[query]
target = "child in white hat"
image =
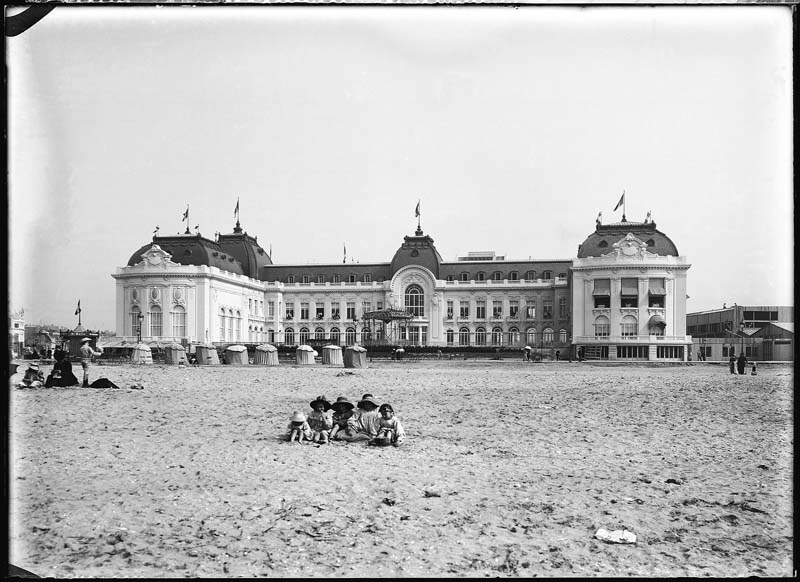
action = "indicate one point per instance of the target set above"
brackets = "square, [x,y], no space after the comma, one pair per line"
[298,428]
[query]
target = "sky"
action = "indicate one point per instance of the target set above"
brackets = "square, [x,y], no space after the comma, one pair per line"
[513,128]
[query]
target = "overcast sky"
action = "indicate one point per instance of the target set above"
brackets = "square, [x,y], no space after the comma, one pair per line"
[514,127]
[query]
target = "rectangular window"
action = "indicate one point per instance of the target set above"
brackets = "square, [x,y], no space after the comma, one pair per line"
[497,276]
[547,309]
[271,307]
[530,311]
[179,323]
[320,279]
[290,311]
[290,279]
[303,310]
[563,312]
[463,309]
[336,279]
[602,293]
[380,306]
[669,352]
[449,310]
[628,329]
[513,276]
[656,292]
[450,278]
[351,310]
[366,306]
[632,352]
[480,309]
[481,277]
[155,323]
[367,278]
[629,295]
[602,330]
[351,278]
[465,277]
[320,312]
[497,309]
[306,279]
[513,308]
[335,310]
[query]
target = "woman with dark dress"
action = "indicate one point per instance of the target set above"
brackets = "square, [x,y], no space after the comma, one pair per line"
[741,363]
[61,375]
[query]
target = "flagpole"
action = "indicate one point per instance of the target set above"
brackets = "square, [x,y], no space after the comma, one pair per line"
[623,205]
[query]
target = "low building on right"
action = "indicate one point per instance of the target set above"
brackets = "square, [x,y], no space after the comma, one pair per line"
[762,332]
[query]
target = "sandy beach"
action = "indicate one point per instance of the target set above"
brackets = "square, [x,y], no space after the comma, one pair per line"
[509,469]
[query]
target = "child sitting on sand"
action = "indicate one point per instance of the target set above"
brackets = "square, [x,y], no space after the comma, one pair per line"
[298,428]
[342,411]
[391,431]
[319,421]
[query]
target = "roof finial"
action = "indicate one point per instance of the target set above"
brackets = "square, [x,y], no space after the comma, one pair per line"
[417,214]
[238,227]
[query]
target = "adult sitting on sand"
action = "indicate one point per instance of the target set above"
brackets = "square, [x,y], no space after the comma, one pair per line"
[61,375]
[365,422]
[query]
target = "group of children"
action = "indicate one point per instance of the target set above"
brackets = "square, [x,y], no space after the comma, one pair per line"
[343,421]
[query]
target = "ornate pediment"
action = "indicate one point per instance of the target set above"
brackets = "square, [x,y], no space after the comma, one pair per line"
[631,248]
[155,256]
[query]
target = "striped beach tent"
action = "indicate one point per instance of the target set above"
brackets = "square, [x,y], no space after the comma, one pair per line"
[332,355]
[266,355]
[236,356]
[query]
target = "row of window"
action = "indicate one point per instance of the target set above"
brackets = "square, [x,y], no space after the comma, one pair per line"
[499,276]
[335,312]
[464,276]
[628,327]
[642,352]
[155,321]
[513,309]
[499,338]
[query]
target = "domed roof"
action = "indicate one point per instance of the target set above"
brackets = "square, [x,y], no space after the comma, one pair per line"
[192,249]
[601,241]
[417,250]
[245,249]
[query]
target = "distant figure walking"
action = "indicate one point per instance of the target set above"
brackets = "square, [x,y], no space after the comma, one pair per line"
[732,362]
[86,358]
[741,363]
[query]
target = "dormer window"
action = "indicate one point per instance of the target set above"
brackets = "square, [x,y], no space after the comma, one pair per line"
[513,276]
[481,276]
[351,278]
[464,277]
[306,279]
[290,279]
[603,244]
[497,276]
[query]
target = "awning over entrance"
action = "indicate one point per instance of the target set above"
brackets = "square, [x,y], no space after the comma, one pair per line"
[657,320]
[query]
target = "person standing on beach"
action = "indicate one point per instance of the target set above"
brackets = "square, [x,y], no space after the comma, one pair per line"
[732,362]
[86,358]
[741,363]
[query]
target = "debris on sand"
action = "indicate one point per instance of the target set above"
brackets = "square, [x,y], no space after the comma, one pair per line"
[345,373]
[431,494]
[618,536]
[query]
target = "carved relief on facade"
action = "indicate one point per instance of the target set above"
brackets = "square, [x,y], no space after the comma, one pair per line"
[179,295]
[155,296]
[134,296]
[155,256]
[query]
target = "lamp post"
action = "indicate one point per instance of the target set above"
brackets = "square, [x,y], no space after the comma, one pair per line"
[140,317]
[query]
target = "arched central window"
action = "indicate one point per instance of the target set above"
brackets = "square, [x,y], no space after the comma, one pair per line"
[415,300]
[463,336]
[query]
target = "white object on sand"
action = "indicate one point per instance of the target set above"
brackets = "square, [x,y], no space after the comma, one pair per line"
[618,536]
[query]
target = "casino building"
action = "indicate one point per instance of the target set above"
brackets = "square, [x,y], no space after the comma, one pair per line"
[190,289]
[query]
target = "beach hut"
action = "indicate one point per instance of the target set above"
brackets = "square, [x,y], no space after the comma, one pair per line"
[266,355]
[305,355]
[206,355]
[332,355]
[355,357]
[236,356]
[141,354]
[175,354]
